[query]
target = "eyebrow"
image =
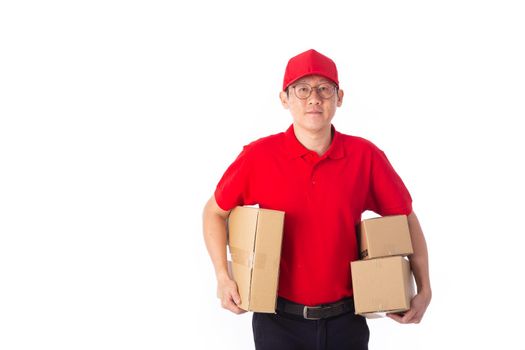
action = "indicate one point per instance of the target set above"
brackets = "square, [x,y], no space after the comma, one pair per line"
[323,80]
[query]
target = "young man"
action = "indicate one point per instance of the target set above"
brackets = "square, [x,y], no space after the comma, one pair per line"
[323,180]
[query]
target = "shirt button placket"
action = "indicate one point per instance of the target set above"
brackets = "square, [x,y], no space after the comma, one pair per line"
[313,177]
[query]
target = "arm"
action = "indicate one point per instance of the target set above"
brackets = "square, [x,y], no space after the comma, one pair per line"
[214,227]
[419,264]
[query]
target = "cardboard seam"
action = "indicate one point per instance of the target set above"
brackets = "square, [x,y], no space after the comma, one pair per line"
[253,259]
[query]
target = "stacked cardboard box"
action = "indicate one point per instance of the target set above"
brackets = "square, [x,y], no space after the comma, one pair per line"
[255,238]
[382,280]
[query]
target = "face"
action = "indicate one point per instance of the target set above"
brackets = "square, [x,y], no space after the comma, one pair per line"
[313,114]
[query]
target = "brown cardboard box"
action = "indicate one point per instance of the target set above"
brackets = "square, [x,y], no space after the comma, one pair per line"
[255,237]
[384,236]
[382,285]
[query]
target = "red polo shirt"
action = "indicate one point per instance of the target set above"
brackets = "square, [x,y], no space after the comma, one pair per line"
[323,198]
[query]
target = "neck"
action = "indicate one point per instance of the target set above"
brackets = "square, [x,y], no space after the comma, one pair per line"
[317,141]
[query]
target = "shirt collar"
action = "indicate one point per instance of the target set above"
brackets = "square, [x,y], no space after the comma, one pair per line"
[296,149]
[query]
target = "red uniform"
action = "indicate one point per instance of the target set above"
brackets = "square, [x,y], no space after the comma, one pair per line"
[323,198]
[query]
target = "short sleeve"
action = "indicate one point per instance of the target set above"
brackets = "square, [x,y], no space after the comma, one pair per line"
[387,193]
[233,186]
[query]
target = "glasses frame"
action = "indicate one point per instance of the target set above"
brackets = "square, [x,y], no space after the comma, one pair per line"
[334,90]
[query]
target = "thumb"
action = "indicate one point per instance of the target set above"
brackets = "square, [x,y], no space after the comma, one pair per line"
[236,297]
[408,315]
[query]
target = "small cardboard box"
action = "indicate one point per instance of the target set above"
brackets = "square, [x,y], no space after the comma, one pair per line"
[382,285]
[384,236]
[255,237]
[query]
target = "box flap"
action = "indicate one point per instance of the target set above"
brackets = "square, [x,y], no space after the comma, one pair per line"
[265,276]
[242,225]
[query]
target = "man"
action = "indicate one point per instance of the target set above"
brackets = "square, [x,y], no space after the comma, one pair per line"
[323,180]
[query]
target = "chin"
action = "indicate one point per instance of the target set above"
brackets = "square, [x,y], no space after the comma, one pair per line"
[315,127]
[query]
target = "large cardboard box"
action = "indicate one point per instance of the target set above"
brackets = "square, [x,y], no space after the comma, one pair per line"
[255,237]
[382,285]
[384,236]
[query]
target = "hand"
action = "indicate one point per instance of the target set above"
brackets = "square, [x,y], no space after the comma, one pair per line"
[230,299]
[418,306]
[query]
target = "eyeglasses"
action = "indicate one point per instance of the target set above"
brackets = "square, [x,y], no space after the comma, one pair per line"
[303,91]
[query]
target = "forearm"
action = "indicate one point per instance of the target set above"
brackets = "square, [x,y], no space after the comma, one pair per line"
[214,228]
[419,260]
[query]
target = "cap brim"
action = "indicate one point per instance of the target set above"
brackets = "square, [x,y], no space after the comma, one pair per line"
[311,73]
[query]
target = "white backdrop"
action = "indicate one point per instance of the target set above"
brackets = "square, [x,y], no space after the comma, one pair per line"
[117,119]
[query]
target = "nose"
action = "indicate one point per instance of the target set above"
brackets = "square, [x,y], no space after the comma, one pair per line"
[314,97]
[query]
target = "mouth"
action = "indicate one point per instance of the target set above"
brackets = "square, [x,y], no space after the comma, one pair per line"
[315,111]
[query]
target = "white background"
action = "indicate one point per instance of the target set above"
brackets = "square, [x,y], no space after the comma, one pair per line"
[119,117]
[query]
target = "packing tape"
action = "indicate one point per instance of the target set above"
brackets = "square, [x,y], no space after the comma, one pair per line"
[242,256]
[247,258]
[260,261]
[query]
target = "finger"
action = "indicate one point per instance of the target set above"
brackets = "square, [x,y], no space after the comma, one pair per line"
[396,317]
[229,304]
[235,296]
[416,318]
[408,316]
[239,311]
[235,309]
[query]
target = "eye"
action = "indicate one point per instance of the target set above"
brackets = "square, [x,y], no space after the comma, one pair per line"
[302,88]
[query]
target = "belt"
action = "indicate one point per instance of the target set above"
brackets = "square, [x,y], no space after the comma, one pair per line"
[316,312]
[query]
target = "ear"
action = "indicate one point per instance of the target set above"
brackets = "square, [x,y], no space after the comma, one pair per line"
[340,95]
[284,99]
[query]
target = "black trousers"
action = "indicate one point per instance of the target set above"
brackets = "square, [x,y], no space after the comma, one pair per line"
[290,332]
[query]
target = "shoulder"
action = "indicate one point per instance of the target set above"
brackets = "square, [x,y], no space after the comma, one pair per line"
[358,144]
[265,144]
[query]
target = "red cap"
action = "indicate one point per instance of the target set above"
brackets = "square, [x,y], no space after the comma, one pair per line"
[308,63]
